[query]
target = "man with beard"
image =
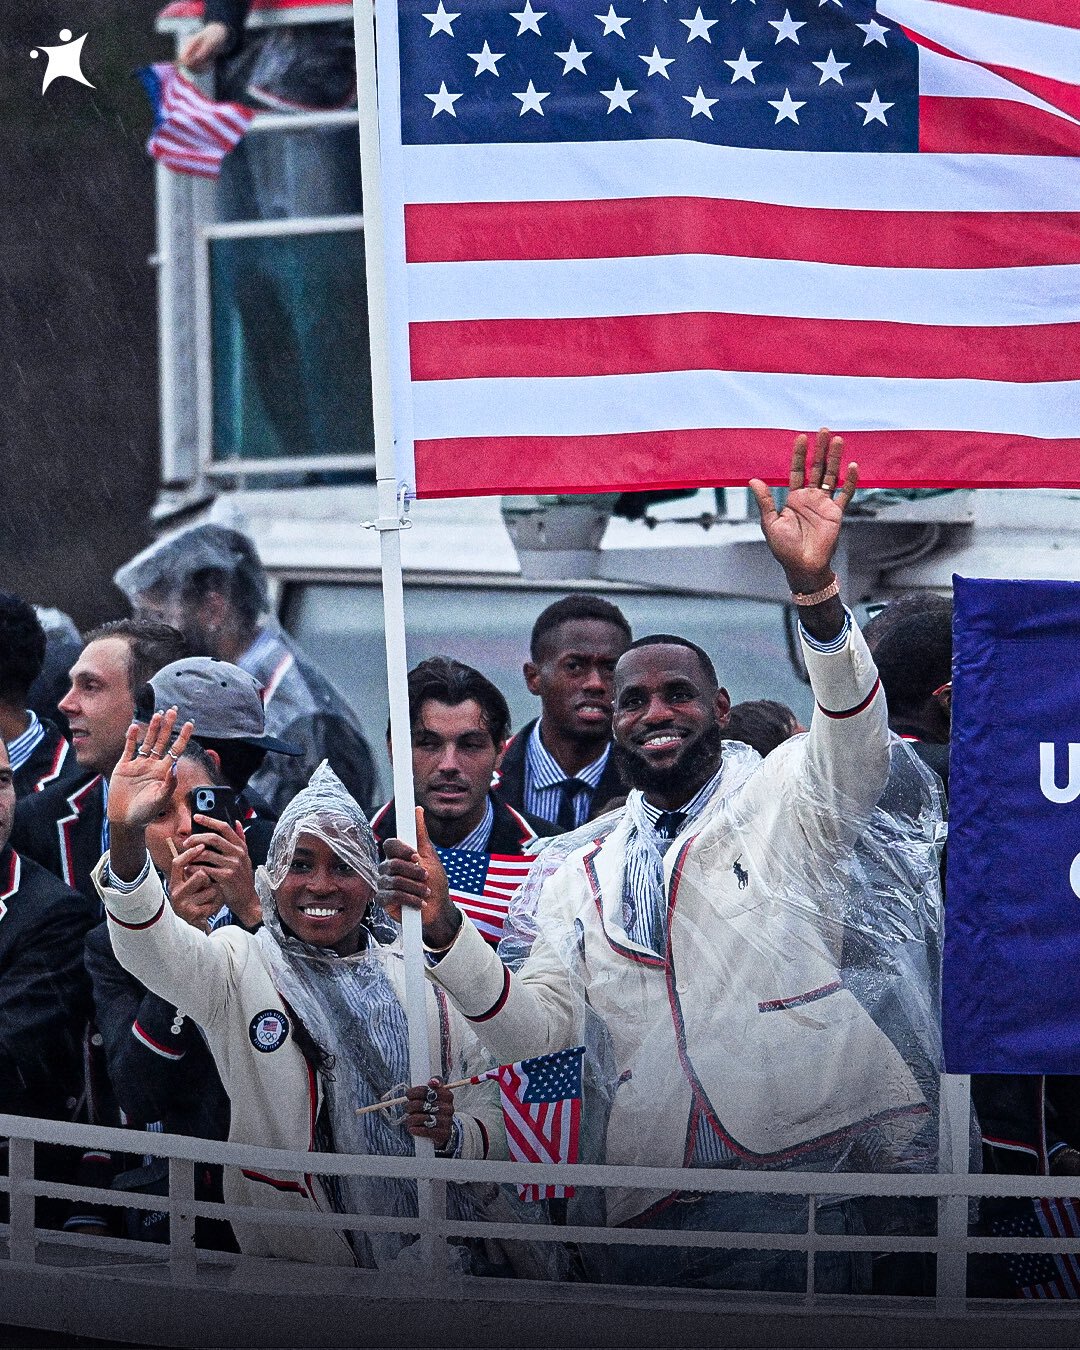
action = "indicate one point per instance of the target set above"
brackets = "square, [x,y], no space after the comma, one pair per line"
[695,945]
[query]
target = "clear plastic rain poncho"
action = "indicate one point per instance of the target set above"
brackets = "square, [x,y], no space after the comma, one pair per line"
[353,1008]
[789,1015]
[169,578]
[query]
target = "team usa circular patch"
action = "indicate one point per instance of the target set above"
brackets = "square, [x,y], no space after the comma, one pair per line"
[268,1030]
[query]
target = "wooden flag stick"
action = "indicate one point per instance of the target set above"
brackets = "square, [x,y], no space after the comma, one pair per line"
[400,1101]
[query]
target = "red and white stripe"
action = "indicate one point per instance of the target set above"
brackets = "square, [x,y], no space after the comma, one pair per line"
[488,911]
[541,1132]
[195,133]
[926,305]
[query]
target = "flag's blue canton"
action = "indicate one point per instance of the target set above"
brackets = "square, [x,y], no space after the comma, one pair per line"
[753,82]
[148,78]
[465,870]
[553,1078]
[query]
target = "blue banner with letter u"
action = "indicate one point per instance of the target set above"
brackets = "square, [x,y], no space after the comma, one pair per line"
[1011,995]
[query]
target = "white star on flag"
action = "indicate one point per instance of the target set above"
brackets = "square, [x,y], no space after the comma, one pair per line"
[874,32]
[742,69]
[528,19]
[657,64]
[830,68]
[443,101]
[786,108]
[699,26]
[440,21]
[531,100]
[874,110]
[700,104]
[618,97]
[572,59]
[485,59]
[612,23]
[787,27]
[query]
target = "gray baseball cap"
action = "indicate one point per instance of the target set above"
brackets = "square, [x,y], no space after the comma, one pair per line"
[222,700]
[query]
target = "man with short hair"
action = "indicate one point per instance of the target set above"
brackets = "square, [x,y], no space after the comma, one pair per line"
[460,722]
[38,752]
[559,767]
[695,944]
[64,827]
[210,583]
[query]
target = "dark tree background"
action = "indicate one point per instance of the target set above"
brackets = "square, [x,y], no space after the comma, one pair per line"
[78,341]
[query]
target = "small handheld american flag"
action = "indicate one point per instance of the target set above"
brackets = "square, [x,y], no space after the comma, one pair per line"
[483,884]
[541,1102]
[192,134]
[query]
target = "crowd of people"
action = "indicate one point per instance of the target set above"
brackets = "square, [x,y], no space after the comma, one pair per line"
[739,919]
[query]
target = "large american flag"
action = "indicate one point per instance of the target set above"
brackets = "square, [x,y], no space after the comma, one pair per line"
[1042,1275]
[541,1102]
[483,884]
[192,133]
[640,242]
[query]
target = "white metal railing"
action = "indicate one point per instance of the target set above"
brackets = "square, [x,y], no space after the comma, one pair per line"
[26,1242]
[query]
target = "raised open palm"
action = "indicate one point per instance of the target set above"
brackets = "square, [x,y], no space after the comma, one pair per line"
[145,778]
[803,536]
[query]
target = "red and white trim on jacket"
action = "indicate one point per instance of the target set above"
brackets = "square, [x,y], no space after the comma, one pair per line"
[527,833]
[858,708]
[279,672]
[14,876]
[137,927]
[497,1006]
[59,760]
[144,1038]
[77,801]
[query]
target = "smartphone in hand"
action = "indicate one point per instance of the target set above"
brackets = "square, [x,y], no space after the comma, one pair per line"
[217,802]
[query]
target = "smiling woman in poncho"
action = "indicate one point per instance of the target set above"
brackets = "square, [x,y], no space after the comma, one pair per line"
[304,1017]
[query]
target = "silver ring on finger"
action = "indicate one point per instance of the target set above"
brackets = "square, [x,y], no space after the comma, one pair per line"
[173,756]
[143,754]
[430,1120]
[431,1099]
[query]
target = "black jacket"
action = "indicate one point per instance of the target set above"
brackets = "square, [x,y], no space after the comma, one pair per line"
[511,830]
[60,828]
[512,775]
[53,761]
[158,1062]
[44,989]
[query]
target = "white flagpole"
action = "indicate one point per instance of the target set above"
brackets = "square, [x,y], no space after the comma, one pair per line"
[389,524]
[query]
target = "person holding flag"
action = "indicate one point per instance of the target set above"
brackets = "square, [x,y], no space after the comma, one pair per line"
[696,941]
[305,1017]
[460,722]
